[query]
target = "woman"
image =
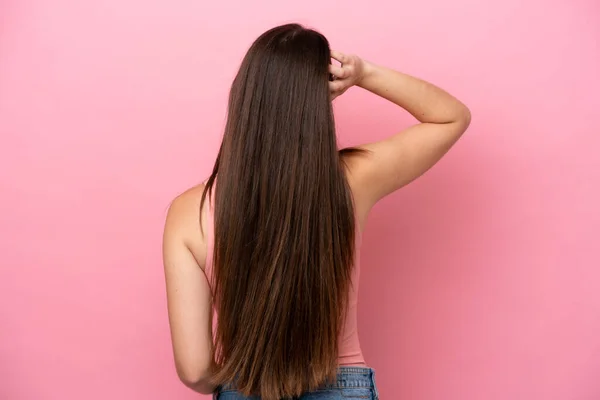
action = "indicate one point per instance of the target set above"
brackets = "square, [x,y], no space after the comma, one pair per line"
[269,244]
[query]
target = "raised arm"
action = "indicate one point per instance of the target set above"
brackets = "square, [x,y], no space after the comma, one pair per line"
[397,160]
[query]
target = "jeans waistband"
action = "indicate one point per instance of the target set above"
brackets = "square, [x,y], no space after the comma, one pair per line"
[347,378]
[353,377]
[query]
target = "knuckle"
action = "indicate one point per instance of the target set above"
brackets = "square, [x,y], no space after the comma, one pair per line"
[337,85]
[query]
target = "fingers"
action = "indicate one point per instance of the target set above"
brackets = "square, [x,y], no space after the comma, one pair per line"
[339,56]
[338,72]
[337,86]
[341,83]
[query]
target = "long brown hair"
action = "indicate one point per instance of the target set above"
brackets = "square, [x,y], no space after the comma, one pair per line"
[284,221]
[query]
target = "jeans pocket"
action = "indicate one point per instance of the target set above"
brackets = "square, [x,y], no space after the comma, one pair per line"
[323,394]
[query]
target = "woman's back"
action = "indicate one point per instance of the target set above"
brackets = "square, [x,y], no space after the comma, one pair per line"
[349,352]
[200,240]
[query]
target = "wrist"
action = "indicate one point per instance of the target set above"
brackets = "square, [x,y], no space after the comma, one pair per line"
[368,70]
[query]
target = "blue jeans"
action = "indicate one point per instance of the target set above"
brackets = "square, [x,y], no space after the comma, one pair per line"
[353,383]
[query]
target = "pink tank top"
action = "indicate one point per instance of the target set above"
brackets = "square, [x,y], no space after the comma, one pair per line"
[349,345]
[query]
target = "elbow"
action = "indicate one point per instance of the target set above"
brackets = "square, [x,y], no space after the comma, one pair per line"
[190,377]
[197,379]
[461,121]
[465,117]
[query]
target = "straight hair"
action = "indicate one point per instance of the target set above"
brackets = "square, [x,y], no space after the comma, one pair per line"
[284,222]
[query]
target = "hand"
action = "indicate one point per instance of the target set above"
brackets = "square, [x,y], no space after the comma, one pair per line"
[350,73]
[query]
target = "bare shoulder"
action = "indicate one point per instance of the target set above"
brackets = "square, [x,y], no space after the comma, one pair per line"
[183,223]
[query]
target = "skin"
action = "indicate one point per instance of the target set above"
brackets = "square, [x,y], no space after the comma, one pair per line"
[390,164]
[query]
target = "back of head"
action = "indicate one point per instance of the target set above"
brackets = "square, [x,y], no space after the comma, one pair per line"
[284,221]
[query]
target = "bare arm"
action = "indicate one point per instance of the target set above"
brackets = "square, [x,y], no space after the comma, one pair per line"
[188,295]
[401,158]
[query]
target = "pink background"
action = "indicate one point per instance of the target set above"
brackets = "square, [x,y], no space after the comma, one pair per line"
[481,279]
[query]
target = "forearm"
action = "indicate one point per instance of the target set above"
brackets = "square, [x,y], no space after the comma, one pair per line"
[425,101]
